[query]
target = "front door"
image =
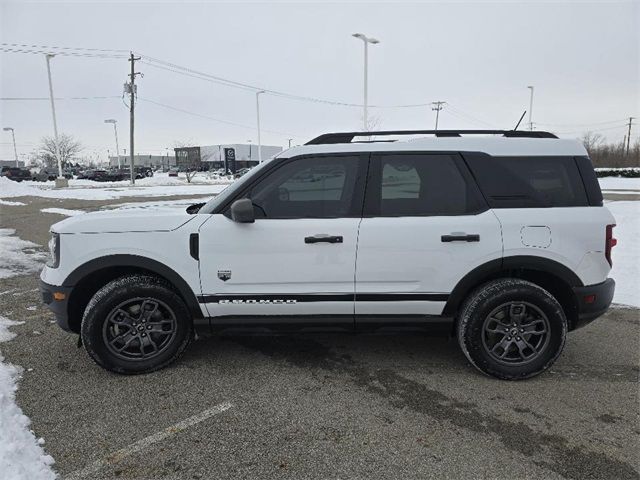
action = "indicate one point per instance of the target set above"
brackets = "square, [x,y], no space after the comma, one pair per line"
[425,226]
[296,262]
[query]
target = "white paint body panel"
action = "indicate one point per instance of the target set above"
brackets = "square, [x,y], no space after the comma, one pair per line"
[407,255]
[271,257]
[577,237]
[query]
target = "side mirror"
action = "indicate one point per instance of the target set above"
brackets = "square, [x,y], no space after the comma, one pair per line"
[242,211]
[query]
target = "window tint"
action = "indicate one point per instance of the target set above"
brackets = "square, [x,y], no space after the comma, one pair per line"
[519,182]
[313,187]
[421,184]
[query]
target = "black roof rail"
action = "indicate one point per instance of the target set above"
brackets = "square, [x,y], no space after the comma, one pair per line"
[347,137]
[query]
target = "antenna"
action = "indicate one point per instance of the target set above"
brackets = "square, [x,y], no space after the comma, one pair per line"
[518,124]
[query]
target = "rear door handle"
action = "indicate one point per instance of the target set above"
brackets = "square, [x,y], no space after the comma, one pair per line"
[462,237]
[323,238]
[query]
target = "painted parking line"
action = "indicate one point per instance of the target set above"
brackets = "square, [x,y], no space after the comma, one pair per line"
[140,445]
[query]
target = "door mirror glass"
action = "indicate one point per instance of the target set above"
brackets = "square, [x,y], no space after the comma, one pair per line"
[242,211]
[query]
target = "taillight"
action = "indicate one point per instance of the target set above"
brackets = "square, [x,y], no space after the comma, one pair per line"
[610,242]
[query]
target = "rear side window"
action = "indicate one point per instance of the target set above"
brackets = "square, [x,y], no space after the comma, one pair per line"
[419,185]
[528,182]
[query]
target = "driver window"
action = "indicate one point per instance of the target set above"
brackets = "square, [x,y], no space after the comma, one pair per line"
[312,187]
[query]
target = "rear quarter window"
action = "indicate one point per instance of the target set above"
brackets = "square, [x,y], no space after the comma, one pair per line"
[528,182]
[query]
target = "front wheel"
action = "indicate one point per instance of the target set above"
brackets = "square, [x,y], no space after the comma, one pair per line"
[136,324]
[511,329]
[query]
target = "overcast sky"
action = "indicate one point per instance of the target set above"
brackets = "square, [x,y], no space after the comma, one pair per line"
[582,58]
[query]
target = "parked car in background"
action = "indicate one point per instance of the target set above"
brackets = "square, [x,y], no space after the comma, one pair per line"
[173,172]
[16,174]
[94,174]
[144,172]
[241,172]
[46,174]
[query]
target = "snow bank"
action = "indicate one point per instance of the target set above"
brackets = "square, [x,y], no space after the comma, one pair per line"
[89,190]
[17,256]
[62,211]
[12,204]
[626,255]
[608,183]
[21,454]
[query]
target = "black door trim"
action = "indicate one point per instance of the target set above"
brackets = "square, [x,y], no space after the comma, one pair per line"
[275,299]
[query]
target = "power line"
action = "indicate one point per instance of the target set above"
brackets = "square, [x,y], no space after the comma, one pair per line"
[61,53]
[172,67]
[227,122]
[581,124]
[63,48]
[57,98]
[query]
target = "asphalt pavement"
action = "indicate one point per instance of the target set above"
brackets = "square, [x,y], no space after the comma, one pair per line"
[321,406]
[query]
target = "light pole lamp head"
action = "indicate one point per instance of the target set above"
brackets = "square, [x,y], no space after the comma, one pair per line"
[364,38]
[110,120]
[7,129]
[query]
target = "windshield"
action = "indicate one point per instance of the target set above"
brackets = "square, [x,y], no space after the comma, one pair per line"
[236,186]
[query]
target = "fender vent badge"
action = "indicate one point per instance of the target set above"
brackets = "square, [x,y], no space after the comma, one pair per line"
[224,275]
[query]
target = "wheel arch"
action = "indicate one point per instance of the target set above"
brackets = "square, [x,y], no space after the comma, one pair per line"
[88,278]
[549,274]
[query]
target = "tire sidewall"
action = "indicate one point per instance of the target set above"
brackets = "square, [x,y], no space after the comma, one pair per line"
[114,294]
[493,295]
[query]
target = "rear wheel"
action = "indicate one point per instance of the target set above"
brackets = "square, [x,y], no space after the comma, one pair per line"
[511,329]
[136,324]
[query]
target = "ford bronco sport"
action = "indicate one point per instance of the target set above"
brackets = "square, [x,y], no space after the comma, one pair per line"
[500,237]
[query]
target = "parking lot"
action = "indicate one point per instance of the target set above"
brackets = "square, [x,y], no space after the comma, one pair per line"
[320,406]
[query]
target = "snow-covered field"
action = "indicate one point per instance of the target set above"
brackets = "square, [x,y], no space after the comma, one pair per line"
[159,185]
[626,254]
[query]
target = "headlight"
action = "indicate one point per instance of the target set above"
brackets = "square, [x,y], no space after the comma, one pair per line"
[54,250]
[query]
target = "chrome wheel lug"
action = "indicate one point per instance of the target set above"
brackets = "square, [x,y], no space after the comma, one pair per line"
[518,338]
[508,338]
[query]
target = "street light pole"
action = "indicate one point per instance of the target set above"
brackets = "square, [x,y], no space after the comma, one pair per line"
[15,152]
[367,41]
[49,56]
[115,131]
[258,121]
[530,87]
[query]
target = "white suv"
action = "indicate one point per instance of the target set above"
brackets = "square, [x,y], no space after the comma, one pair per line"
[499,237]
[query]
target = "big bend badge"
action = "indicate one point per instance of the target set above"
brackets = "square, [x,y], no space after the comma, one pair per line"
[224,275]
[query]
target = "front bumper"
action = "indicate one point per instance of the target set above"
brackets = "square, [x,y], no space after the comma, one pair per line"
[57,299]
[593,301]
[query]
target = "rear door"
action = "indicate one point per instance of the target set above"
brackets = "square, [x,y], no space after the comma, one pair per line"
[425,226]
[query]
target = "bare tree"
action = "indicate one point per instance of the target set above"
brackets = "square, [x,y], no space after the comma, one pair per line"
[592,141]
[66,147]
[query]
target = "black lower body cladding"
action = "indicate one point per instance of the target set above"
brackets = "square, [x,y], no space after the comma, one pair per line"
[593,301]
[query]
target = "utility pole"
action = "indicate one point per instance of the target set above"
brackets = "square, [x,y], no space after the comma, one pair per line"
[439,105]
[60,181]
[629,134]
[131,87]
[258,120]
[530,87]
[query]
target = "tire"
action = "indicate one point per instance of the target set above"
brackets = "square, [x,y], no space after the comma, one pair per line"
[511,329]
[136,324]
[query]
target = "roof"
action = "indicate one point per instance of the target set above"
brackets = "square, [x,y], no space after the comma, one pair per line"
[492,145]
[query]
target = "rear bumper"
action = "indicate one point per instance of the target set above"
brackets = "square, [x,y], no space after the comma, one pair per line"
[58,307]
[593,301]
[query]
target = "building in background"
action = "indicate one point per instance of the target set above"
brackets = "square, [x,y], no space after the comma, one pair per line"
[156,161]
[208,157]
[11,163]
[213,157]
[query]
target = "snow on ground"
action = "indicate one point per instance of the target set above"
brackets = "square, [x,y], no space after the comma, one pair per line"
[21,454]
[159,204]
[11,204]
[157,186]
[626,255]
[619,183]
[62,211]
[17,256]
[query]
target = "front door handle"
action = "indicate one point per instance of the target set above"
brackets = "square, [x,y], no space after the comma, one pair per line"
[324,238]
[461,237]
